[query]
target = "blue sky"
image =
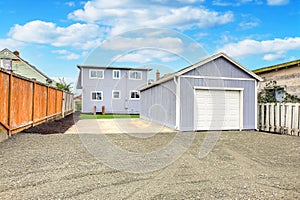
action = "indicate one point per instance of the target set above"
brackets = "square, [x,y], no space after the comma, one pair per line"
[55,36]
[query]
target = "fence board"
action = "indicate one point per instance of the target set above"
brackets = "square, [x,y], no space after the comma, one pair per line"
[296,120]
[4,96]
[21,102]
[40,102]
[272,119]
[58,99]
[281,118]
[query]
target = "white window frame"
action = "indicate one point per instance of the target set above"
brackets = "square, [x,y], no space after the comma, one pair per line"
[131,72]
[134,98]
[112,93]
[113,74]
[96,92]
[97,70]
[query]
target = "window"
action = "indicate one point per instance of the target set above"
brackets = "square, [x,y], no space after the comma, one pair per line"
[96,74]
[116,94]
[116,74]
[134,94]
[136,75]
[97,96]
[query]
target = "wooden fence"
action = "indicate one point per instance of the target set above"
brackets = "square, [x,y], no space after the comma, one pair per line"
[25,103]
[279,118]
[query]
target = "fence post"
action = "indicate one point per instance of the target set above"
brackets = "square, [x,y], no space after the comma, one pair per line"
[289,118]
[272,124]
[277,118]
[47,103]
[63,105]
[33,100]
[259,116]
[281,114]
[9,104]
[267,117]
[262,117]
[296,119]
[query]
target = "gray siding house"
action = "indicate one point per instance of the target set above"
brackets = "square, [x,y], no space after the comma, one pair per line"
[115,88]
[214,94]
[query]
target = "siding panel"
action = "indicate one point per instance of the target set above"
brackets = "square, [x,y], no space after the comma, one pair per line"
[158,104]
[219,68]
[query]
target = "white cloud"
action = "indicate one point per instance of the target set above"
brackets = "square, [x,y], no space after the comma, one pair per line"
[277,2]
[191,1]
[128,14]
[235,3]
[274,56]
[171,44]
[70,3]
[67,54]
[145,56]
[267,47]
[249,24]
[10,44]
[82,36]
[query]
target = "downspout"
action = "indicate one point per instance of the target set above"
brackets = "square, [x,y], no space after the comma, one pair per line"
[177,83]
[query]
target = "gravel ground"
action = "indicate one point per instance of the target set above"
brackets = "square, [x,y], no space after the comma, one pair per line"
[243,165]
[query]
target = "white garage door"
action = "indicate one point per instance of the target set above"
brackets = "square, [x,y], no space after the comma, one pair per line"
[217,109]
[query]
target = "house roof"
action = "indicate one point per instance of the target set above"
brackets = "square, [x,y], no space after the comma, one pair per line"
[112,67]
[198,64]
[277,67]
[12,56]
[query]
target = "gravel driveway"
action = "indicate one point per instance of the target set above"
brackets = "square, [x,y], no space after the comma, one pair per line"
[248,165]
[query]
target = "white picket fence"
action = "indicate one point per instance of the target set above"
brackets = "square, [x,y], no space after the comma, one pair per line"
[279,118]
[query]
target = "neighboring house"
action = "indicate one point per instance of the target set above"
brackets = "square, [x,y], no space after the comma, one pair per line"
[12,61]
[214,94]
[286,75]
[115,88]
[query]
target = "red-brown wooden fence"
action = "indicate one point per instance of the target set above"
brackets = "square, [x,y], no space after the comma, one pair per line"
[25,103]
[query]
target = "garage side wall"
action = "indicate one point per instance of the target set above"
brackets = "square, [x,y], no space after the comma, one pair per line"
[219,68]
[158,104]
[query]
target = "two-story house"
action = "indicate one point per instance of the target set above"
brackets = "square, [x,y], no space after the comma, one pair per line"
[115,88]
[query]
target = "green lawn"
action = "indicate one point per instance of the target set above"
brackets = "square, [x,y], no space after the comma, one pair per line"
[108,116]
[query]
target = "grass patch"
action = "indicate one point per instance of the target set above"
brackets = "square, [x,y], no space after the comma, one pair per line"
[108,116]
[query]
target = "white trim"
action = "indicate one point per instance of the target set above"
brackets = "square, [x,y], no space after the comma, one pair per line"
[82,75]
[134,91]
[216,77]
[97,70]
[255,99]
[241,109]
[195,111]
[217,88]
[241,91]
[177,103]
[135,78]
[112,94]
[91,95]
[113,74]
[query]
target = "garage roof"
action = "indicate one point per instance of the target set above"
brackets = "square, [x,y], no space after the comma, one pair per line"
[191,67]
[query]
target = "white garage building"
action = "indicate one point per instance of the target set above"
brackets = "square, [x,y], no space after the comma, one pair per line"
[217,93]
